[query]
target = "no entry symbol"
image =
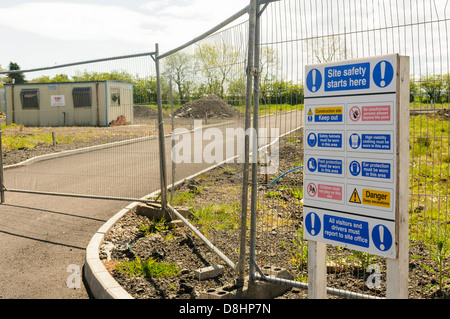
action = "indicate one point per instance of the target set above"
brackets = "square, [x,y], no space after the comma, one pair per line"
[355,114]
[311,189]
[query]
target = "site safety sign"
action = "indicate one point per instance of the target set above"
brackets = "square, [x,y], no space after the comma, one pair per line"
[350,161]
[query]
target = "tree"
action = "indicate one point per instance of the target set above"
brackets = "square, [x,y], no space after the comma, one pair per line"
[327,49]
[217,62]
[2,78]
[413,89]
[103,76]
[433,87]
[144,90]
[16,78]
[179,67]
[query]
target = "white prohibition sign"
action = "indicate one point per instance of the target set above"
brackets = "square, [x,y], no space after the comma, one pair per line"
[312,189]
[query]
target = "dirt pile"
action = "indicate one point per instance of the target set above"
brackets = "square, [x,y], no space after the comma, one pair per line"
[143,111]
[210,106]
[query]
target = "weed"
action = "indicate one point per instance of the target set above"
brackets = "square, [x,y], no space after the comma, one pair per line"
[155,226]
[364,259]
[439,247]
[148,268]
[273,194]
[181,198]
[220,216]
[299,254]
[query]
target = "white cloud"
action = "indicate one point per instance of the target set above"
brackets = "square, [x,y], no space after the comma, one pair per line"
[71,31]
[156,21]
[73,21]
[154,5]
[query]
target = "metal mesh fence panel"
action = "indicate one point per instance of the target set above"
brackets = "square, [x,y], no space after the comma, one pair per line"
[296,33]
[207,81]
[84,128]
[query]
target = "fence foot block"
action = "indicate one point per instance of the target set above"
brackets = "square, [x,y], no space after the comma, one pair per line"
[255,289]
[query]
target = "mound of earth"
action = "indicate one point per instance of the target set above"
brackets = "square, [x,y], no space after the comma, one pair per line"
[145,112]
[210,106]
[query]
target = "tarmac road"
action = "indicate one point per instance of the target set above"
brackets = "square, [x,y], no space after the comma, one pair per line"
[43,238]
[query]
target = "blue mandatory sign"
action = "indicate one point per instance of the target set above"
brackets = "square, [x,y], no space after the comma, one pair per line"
[354,141]
[313,224]
[347,77]
[346,230]
[330,140]
[383,74]
[375,142]
[355,168]
[314,80]
[376,170]
[382,237]
[312,164]
[329,166]
[312,139]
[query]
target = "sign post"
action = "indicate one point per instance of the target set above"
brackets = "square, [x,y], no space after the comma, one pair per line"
[356,162]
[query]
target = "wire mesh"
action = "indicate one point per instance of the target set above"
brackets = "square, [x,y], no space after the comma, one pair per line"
[102,114]
[297,33]
[294,33]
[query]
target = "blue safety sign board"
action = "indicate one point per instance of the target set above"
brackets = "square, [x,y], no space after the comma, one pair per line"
[325,140]
[347,77]
[350,160]
[351,78]
[370,141]
[345,230]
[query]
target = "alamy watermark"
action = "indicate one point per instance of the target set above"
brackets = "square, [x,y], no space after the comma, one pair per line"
[74,279]
[374,279]
[212,145]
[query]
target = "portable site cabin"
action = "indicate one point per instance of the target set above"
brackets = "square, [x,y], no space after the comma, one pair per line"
[2,100]
[69,104]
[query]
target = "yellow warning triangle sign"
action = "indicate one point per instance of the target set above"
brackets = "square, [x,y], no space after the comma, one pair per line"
[310,112]
[355,197]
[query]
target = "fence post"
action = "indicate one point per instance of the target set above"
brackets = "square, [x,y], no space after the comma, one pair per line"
[173,141]
[254,192]
[243,232]
[162,147]
[2,189]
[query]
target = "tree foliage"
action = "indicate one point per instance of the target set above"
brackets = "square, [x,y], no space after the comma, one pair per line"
[16,78]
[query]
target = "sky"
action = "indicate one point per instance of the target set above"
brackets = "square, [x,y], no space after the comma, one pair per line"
[45,33]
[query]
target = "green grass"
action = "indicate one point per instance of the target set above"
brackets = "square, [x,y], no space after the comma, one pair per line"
[148,268]
[429,174]
[16,137]
[218,216]
[263,108]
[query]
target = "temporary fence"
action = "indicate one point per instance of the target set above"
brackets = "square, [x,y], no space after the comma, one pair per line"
[311,32]
[93,121]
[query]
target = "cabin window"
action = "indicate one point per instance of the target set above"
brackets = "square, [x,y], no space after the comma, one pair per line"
[82,97]
[115,97]
[29,98]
